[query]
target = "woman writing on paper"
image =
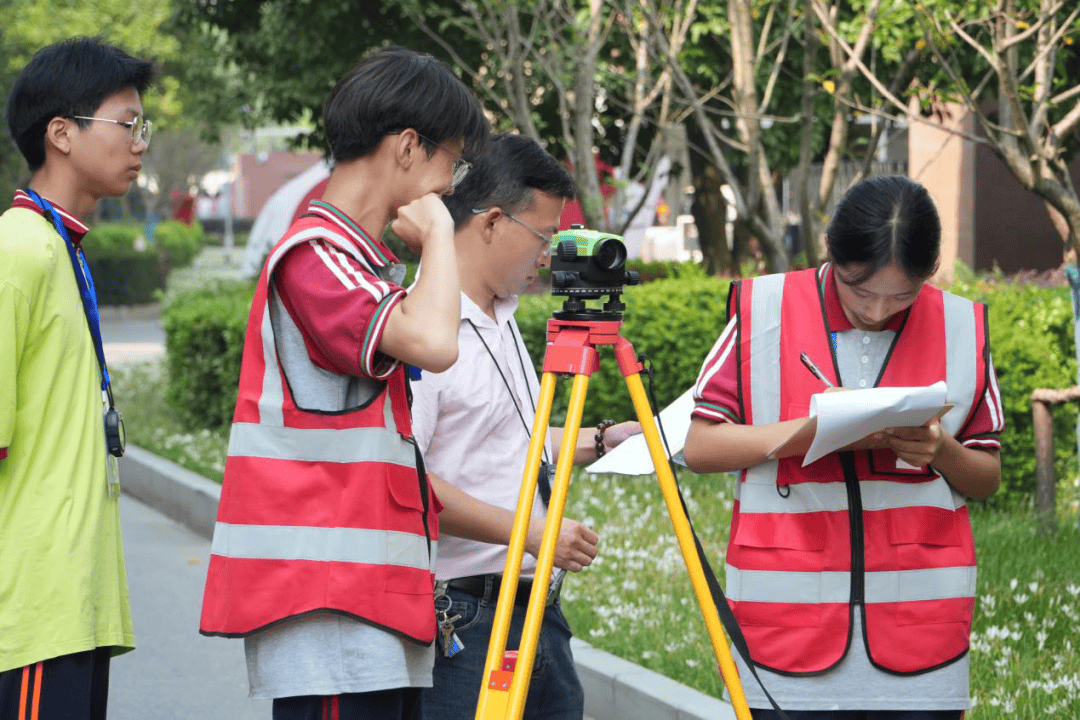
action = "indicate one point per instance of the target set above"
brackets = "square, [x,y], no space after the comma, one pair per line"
[853,578]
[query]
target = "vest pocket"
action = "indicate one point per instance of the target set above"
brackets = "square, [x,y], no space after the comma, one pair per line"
[790,531]
[404,488]
[922,526]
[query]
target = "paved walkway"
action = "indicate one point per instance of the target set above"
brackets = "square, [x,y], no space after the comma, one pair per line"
[174,673]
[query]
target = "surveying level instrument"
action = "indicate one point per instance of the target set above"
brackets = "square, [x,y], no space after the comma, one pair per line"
[585,265]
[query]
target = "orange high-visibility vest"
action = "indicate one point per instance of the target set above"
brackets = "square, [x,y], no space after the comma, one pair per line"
[857,531]
[320,511]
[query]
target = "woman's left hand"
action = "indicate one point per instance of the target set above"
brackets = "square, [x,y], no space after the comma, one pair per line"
[916,446]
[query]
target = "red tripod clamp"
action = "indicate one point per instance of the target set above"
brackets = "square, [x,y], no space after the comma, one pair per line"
[572,346]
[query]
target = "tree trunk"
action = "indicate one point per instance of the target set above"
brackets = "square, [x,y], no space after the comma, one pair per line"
[710,216]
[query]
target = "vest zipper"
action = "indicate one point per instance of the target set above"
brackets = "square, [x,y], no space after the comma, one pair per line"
[855,521]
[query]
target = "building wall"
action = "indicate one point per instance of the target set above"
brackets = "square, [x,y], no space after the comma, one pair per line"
[1013,224]
[259,175]
[988,219]
[943,162]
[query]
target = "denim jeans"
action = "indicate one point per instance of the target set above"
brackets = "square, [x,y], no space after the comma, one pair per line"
[555,691]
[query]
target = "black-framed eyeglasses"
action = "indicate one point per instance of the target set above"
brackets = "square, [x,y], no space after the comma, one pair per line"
[140,127]
[545,251]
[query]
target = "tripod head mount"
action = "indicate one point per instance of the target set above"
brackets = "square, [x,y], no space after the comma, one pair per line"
[588,265]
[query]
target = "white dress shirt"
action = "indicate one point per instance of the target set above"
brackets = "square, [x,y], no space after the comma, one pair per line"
[470,433]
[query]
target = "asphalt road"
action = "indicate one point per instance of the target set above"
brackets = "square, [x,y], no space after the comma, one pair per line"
[174,673]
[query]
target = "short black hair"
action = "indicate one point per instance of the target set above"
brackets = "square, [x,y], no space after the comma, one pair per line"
[505,176]
[71,77]
[882,220]
[392,89]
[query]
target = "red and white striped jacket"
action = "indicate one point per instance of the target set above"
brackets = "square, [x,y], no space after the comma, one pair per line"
[320,511]
[855,531]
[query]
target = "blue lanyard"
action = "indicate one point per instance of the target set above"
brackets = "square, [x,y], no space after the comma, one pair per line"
[86,286]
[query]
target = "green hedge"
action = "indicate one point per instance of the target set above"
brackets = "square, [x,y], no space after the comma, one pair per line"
[126,277]
[1031,340]
[204,342]
[178,243]
[126,271]
[111,237]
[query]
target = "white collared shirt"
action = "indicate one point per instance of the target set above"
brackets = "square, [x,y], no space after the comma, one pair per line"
[470,433]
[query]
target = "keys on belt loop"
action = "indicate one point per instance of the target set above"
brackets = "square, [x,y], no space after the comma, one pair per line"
[449,641]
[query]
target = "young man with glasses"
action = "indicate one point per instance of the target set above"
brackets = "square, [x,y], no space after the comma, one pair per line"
[75,112]
[324,548]
[473,423]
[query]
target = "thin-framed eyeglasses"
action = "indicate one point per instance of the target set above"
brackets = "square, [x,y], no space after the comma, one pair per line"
[140,127]
[545,251]
[461,166]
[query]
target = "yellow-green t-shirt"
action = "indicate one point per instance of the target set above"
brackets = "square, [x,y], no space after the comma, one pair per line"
[63,586]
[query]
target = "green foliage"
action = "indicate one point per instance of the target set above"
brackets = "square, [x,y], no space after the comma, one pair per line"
[125,276]
[673,322]
[178,243]
[111,237]
[662,269]
[1031,339]
[204,342]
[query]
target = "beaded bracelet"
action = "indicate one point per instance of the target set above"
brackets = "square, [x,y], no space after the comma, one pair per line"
[599,437]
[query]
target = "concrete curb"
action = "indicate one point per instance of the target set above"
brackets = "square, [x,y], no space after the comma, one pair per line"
[615,689]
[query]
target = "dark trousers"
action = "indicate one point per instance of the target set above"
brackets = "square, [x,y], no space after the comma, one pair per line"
[397,704]
[555,692]
[860,714]
[69,687]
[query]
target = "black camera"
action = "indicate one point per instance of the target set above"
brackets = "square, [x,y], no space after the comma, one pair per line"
[115,436]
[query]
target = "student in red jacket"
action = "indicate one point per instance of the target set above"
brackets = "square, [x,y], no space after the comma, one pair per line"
[853,578]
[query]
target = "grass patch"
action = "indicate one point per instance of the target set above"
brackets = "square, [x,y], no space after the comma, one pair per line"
[153,425]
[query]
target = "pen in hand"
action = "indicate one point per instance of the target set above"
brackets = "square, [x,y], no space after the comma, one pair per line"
[814,369]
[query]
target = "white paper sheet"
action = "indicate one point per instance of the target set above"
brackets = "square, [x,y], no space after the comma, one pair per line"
[845,417]
[632,456]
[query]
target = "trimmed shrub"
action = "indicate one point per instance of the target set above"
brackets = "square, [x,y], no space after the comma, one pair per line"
[204,342]
[662,269]
[111,237]
[122,274]
[177,243]
[672,322]
[125,276]
[1031,341]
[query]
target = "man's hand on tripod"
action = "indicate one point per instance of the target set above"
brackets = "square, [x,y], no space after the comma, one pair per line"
[576,547]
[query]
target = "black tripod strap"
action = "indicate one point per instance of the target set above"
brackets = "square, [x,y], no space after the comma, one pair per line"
[727,618]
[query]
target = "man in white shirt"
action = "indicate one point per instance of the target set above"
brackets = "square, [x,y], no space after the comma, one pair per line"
[473,423]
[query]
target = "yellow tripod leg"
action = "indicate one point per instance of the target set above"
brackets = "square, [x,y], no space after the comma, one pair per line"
[494,689]
[534,615]
[686,544]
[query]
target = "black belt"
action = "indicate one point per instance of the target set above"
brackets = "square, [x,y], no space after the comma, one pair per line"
[478,585]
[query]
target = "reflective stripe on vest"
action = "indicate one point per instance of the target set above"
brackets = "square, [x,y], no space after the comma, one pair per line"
[835,587]
[808,497]
[351,445]
[322,544]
